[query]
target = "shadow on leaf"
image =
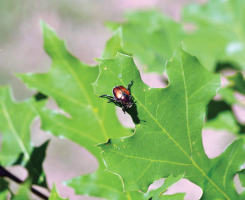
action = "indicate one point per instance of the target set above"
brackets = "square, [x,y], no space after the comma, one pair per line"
[134,114]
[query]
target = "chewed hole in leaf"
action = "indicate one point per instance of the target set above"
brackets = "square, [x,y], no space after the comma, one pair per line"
[38,136]
[154,80]
[238,185]
[68,152]
[125,120]
[192,191]
[54,106]
[215,142]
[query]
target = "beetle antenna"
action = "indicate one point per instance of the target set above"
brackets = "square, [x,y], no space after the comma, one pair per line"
[106,96]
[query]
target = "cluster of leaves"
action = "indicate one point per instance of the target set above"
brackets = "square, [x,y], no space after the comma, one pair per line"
[167,141]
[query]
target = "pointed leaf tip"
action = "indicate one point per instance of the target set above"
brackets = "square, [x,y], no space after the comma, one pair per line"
[45,26]
[55,194]
[121,54]
[48,33]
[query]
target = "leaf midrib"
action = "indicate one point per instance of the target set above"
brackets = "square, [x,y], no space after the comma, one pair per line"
[71,70]
[186,103]
[14,131]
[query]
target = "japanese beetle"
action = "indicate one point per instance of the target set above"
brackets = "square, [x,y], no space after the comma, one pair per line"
[121,97]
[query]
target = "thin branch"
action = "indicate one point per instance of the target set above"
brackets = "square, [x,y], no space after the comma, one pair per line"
[5,173]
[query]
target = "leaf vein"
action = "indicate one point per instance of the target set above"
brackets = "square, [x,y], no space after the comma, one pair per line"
[71,70]
[14,131]
[161,161]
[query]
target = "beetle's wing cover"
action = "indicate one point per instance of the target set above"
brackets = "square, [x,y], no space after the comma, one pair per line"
[124,90]
[117,92]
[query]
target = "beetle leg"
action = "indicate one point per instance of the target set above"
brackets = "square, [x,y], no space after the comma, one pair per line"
[123,109]
[112,100]
[129,86]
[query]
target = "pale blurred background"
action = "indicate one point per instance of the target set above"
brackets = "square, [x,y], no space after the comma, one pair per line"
[81,24]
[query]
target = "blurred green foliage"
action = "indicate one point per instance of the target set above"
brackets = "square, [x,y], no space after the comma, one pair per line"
[213,32]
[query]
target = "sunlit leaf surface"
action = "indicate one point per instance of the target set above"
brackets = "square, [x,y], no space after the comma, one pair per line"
[168,136]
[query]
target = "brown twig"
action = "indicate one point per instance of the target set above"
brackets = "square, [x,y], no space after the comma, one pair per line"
[5,173]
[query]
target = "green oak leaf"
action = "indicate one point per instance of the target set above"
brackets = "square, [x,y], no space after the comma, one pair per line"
[114,45]
[55,195]
[104,184]
[167,138]
[227,42]
[15,121]
[150,36]
[167,183]
[91,120]
[224,121]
